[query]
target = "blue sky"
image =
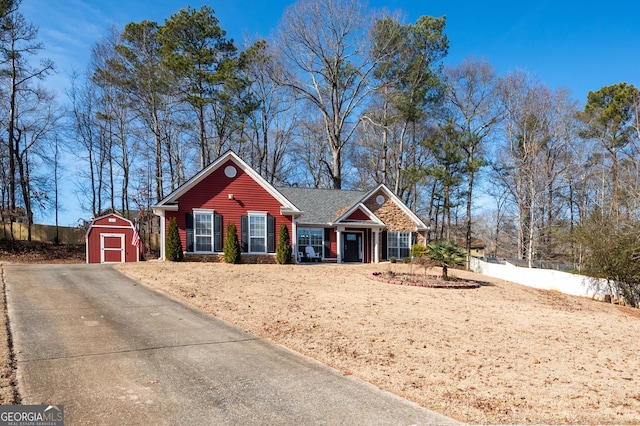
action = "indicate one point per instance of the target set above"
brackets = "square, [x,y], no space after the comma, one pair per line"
[579,45]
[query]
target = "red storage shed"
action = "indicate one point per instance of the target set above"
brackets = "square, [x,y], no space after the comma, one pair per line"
[112,239]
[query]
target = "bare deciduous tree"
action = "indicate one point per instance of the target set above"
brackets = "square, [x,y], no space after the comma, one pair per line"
[18,43]
[471,95]
[271,129]
[325,45]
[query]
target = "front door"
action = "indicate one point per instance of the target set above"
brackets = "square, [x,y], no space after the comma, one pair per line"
[352,244]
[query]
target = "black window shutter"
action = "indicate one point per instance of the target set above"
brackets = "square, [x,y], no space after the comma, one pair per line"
[217,232]
[271,234]
[414,238]
[384,254]
[244,234]
[189,232]
[327,242]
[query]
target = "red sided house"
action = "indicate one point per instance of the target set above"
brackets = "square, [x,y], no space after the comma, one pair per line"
[112,239]
[324,224]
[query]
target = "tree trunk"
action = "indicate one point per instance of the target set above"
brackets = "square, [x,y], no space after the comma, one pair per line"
[158,156]
[531,229]
[13,141]
[204,151]
[125,171]
[399,162]
[337,168]
[23,170]
[469,199]
[445,272]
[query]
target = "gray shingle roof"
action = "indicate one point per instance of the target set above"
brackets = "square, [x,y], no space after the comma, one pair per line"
[321,206]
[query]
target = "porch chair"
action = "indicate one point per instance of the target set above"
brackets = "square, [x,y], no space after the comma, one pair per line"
[311,254]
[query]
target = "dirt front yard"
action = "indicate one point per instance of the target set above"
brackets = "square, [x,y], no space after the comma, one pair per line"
[501,353]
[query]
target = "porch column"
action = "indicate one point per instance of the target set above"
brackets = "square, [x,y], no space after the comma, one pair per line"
[339,244]
[294,239]
[376,247]
[163,235]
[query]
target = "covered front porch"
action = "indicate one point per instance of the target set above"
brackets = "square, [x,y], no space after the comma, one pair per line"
[340,244]
[359,244]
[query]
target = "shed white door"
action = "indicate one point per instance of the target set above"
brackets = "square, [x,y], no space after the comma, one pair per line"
[112,248]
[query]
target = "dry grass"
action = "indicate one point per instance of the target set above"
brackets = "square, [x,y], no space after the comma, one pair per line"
[501,353]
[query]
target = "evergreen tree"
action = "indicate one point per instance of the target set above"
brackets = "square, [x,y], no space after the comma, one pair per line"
[283,249]
[195,48]
[174,245]
[231,247]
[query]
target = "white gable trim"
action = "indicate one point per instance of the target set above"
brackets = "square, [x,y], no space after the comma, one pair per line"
[372,216]
[420,225]
[167,202]
[93,224]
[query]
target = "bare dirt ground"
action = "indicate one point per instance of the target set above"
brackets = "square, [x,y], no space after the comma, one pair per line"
[41,252]
[500,353]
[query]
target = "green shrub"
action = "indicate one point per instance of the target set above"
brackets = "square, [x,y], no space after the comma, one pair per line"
[392,259]
[406,260]
[231,247]
[283,249]
[419,250]
[174,245]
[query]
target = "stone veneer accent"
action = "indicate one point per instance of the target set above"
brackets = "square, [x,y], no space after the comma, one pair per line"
[391,214]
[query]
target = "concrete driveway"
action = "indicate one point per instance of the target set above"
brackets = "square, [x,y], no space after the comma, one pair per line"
[113,351]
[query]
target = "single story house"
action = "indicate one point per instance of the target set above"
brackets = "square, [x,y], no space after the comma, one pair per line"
[324,224]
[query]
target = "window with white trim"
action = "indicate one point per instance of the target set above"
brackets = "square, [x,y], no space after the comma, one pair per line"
[203,230]
[311,237]
[398,244]
[257,232]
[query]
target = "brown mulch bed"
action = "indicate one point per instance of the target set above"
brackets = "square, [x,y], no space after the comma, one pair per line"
[420,280]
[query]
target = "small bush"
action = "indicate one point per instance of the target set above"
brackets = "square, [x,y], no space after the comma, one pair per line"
[419,250]
[406,260]
[231,247]
[174,245]
[392,259]
[283,250]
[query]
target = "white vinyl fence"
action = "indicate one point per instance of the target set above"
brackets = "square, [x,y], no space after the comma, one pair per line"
[546,279]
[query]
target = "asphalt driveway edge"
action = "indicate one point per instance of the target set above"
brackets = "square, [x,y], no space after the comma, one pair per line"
[444,419]
[9,383]
[164,356]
